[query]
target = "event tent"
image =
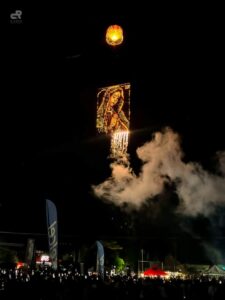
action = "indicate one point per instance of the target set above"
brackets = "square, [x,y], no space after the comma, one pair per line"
[154,272]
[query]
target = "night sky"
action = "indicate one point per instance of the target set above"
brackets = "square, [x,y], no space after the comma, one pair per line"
[51,149]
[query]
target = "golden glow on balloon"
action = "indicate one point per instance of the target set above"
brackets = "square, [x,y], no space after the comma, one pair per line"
[114,35]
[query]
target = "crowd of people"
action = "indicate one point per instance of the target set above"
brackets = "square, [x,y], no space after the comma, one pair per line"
[68,284]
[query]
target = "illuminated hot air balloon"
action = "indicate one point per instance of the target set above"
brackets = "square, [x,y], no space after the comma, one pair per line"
[114,35]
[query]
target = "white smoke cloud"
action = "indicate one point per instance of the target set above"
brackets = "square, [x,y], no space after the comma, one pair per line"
[215,255]
[199,191]
[221,159]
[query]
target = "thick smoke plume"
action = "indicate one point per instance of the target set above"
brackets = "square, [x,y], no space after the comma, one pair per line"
[199,191]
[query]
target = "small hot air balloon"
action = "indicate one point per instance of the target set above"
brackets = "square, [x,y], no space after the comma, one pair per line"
[114,35]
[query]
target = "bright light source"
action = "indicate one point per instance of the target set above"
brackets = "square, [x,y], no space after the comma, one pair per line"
[45,258]
[119,143]
[114,35]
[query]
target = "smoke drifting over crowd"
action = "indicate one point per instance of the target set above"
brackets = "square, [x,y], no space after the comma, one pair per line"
[199,191]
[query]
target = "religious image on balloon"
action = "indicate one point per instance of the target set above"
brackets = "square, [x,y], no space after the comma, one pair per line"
[113,116]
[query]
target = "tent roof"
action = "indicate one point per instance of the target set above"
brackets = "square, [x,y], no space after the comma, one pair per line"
[215,270]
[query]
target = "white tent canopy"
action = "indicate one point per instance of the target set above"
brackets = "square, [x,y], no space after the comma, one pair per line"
[215,270]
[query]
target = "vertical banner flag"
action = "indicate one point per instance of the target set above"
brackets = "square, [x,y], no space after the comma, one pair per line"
[100,259]
[52,226]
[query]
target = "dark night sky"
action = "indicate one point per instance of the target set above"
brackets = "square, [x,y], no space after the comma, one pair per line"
[55,65]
